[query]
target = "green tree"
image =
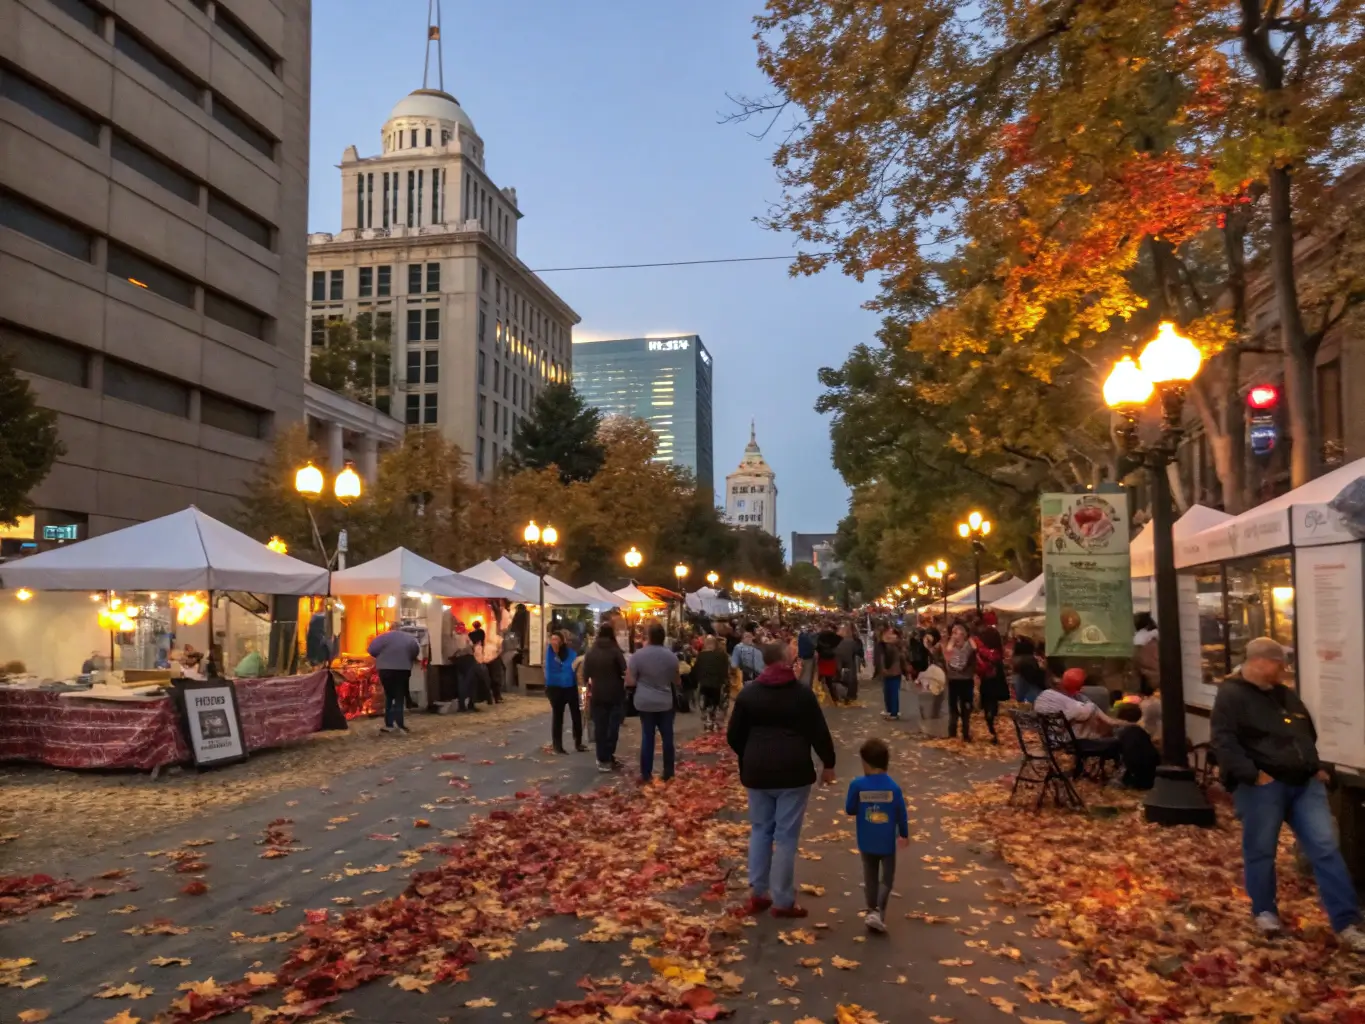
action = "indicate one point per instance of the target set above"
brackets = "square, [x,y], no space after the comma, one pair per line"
[270,507]
[29,443]
[805,580]
[561,432]
[357,360]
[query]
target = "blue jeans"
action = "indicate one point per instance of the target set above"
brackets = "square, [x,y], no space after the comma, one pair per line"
[606,725]
[649,722]
[1263,809]
[891,694]
[395,683]
[775,817]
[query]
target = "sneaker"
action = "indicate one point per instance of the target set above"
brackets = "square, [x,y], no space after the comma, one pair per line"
[385,728]
[1352,938]
[874,922]
[604,767]
[756,906]
[405,729]
[1268,923]
[794,910]
[581,748]
[893,718]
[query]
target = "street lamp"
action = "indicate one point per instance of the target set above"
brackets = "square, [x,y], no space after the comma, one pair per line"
[277,545]
[633,558]
[1167,365]
[939,571]
[976,528]
[713,578]
[540,556]
[680,571]
[347,487]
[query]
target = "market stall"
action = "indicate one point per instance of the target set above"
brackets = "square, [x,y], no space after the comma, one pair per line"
[1290,569]
[994,585]
[155,604]
[707,601]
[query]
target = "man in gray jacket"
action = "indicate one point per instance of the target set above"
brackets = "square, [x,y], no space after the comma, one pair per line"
[394,653]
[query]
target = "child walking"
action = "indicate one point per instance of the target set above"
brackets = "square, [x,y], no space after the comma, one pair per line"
[880,807]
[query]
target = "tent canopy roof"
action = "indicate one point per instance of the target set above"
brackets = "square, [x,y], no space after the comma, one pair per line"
[186,550]
[631,594]
[1196,519]
[391,573]
[460,585]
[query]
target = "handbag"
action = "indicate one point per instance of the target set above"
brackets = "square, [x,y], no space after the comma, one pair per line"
[630,703]
[934,680]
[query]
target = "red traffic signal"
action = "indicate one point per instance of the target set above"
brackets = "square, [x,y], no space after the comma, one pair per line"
[1263,396]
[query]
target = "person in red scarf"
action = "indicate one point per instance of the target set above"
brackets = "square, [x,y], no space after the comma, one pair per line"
[990,669]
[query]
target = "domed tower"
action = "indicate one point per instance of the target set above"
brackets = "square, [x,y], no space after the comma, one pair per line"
[751,490]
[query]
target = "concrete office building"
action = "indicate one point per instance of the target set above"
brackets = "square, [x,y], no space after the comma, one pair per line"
[751,490]
[664,381]
[428,251]
[817,549]
[153,183]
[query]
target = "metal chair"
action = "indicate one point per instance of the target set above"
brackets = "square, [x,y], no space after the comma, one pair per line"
[1039,766]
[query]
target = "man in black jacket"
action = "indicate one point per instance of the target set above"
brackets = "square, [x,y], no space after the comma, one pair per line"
[775,724]
[1268,756]
[826,667]
[604,667]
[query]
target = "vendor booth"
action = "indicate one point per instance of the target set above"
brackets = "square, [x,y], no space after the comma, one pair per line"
[994,585]
[565,606]
[707,601]
[1290,569]
[105,640]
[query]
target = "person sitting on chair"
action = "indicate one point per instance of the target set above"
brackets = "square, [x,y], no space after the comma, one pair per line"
[1092,727]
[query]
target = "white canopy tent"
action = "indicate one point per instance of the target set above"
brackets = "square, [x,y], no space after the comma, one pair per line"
[186,550]
[631,594]
[492,572]
[393,573]
[707,601]
[602,594]
[556,591]
[458,585]
[1196,519]
[1030,599]
[1301,518]
[993,585]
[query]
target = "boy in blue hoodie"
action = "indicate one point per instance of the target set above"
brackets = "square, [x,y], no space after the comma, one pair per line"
[880,807]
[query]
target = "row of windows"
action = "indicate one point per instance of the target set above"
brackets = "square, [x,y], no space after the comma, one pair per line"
[421,409]
[430,319]
[383,327]
[424,367]
[390,182]
[749,489]
[57,233]
[70,364]
[330,285]
[395,139]
[134,155]
[177,78]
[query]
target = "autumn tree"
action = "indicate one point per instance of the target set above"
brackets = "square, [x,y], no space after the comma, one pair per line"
[29,443]
[271,507]
[805,580]
[356,360]
[561,431]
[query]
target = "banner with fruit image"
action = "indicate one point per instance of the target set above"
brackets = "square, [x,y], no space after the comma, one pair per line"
[1087,575]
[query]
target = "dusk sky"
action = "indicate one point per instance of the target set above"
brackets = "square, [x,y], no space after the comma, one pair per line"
[604,117]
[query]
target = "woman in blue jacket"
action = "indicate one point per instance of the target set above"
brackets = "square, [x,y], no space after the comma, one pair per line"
[562,689]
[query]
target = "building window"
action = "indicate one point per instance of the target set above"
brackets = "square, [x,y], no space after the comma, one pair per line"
[135,270]
[225,414]
[479,456]
[47,106]
[414,325]
[246,224]
[429,407]
[155,169]
[412,185]
[234,314]
[483,365]
[428,137]
[366,282]
[414,278]
[383,286]
[41,226]
[386,199]
[432,367]
[130,384]
[369,200]
[239,34]
[495,455]
[319,286]
[433,277]
[414,366]
[383,325]
[337,286]
[433,324]
[421,181]
[483,326]
[483,408]
[46,357]
[414,410]
[436,217]
[412,143]
[89,16]
[139,53]
[359,201]
[318,332]
[240,125]
[445,136]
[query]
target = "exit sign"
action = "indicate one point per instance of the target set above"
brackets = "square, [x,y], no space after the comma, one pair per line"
[68,531]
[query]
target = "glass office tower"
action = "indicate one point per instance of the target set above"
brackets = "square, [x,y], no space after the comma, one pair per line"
[664,381]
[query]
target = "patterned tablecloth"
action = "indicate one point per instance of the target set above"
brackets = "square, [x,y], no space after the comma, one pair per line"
[70,732]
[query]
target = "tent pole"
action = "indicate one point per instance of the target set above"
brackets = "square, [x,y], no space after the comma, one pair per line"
[109,602]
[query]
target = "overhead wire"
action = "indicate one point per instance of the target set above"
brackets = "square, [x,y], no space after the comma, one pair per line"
[677,263]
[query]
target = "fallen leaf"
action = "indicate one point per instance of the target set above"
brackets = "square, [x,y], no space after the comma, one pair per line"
[842,964]
[420,823]
[1003,1005]
[196,888]
[168,961]
[409,984]
[955,962]
[262,978]
[128,909]
[549,946]
[124,1017]
[78,936]
[127,989]
[33,1016]
[481,1003]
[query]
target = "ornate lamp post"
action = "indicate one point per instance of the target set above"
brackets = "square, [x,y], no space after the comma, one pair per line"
[713,578]
[540,557]
[680,572]
[938,571]
[1166,366]
[634,559]
[976,529]
[309,482]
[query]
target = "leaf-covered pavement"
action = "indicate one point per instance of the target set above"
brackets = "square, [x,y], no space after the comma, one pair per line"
[379,896]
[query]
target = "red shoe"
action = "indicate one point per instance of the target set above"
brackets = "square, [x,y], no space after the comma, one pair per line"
[755,906]
[794,910]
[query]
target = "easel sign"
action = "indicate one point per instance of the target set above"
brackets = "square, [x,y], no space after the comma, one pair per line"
[214,729]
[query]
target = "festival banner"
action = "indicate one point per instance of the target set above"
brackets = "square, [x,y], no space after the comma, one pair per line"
[1087,575]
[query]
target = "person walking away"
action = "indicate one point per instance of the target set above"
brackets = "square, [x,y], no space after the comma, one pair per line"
[394,653]
[883,824]
[846,662]
[711,673]
[654,674]
[889,661]
[990,660]
[959,658]
[1268,758]
[774,726]
[562,688]
[805,651]
[488,653]
[826,643]
[604,667]
[747,658]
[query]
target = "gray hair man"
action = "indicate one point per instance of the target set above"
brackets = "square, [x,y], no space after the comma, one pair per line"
[1268,756]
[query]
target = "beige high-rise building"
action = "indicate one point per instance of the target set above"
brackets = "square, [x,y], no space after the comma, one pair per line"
[428,248]
[751,490]
[153,189]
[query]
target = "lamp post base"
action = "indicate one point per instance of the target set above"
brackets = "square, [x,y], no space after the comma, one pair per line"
[1176,799]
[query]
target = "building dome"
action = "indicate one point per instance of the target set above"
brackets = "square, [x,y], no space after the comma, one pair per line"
[432,103]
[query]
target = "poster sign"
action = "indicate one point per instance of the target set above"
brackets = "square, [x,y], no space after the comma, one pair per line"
[212,724]
[1087,575]
[1329,587]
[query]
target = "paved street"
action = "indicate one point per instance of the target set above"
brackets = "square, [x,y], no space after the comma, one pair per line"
[948,969]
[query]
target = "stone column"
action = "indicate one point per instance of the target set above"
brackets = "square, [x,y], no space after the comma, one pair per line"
[369,459]
[336,447]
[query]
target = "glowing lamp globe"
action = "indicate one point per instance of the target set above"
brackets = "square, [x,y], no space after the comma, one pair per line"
[1127,385]
[347,486]
[532,533]
[634,558]
[985,527]
[713,578]
[963,530]
[1170,357]
[308,480]
[277,545]
[680,571]
[975,520]
[549,536]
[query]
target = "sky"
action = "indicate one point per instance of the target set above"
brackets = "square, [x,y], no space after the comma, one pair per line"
[605,117]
